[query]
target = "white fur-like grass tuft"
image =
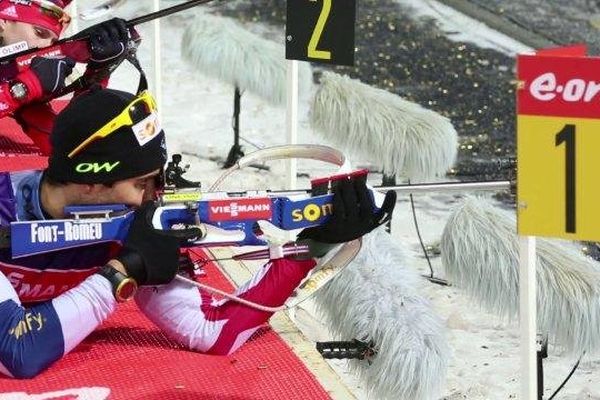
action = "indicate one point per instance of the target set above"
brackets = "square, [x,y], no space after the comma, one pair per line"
[399,136]
[220,48]
[376,299]
[480,254]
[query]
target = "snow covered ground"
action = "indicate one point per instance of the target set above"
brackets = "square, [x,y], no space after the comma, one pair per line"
[196,114]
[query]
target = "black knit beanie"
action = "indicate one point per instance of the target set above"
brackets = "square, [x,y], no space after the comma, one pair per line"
[118,156]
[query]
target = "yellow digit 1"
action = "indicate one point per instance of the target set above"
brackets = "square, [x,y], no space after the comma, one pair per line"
[316,36]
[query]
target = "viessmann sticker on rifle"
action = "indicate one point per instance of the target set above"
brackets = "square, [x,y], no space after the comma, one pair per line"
[241,209]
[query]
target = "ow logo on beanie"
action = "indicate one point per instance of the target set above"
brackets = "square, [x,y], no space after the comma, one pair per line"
[84,168]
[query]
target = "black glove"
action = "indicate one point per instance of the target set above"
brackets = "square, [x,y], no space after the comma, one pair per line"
[51,72]
[151,256]
[108,42]
[353,214]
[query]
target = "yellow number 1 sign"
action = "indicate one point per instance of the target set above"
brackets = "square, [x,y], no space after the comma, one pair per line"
[558,147]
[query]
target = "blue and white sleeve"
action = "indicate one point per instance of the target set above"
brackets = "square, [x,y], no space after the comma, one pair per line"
[32,338]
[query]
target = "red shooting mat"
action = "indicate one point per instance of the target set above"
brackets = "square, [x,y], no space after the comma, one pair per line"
[129,358]
[17,151]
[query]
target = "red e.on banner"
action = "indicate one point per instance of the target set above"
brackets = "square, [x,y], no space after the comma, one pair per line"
[559,86]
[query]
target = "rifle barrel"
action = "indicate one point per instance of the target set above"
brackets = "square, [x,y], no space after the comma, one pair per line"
[449,187]
[165,12]
[425,187]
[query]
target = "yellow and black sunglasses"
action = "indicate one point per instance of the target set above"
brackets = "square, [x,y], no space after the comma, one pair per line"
[141,107]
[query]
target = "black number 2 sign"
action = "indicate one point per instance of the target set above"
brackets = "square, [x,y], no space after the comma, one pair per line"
[321,31]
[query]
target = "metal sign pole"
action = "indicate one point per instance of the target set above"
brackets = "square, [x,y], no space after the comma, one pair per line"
[528,316]
[156,64]
[292,120]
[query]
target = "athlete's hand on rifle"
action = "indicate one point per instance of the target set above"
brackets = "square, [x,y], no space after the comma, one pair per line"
[45,76]
[108,42]
[353,215]
[151,256]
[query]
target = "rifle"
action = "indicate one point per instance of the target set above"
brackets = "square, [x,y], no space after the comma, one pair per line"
[225,218]
[77,48]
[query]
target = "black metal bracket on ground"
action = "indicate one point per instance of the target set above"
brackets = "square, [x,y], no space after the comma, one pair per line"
[436,280]
[542,352]
[354,349]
